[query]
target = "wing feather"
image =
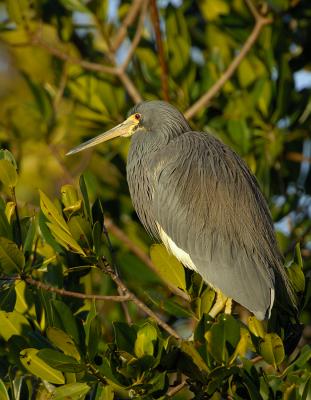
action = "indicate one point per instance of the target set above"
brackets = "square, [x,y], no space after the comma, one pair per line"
[206,200]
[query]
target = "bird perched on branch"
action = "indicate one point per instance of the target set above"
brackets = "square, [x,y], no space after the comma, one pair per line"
[199,198]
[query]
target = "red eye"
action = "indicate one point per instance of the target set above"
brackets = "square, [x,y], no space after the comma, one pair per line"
[137,116]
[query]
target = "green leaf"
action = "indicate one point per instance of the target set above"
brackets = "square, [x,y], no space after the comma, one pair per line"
[75,5]
[52,213]
[13,323]
[90,316]
[69,195]
[31,232]
[7,296]
[63,341]
[86,200]
[25,302]
[169,268]
[5,227]
[272,350]
[11,258]
[3,392]
[72,391]
[144,343]
[188,348]
[69,322]
[38,367]
[7,155]
[296,277]
[8,174]
[125,336]
[223,337]
[65,239]
[10,210]
[80,230]
[256,327]
[94,337]
[104,393]
[60,361]
[212,9]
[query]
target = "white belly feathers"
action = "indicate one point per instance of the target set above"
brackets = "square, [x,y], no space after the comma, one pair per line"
[172,247]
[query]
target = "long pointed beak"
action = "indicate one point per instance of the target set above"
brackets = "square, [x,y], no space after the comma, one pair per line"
[124,129]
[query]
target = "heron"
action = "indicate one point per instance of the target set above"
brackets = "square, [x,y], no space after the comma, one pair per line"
[196,195]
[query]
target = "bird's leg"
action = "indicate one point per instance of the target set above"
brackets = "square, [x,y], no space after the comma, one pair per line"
[221,301]
[228,307]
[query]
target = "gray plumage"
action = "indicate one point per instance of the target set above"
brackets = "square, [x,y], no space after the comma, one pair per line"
[203,196]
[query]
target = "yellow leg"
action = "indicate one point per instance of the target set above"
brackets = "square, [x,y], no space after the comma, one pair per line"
[228,307]
[221,301]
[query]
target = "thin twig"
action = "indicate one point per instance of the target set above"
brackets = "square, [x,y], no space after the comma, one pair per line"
[172,391]
[128,20]
[94,371]
[119,234]
[256,359]
[156,26]
[137,37]
[129,86]
[91,66]
[260,22]
[105,267]
[69,293]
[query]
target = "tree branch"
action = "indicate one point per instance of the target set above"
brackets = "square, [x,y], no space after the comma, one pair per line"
[105,267]
[129,86]
[175,389]
[90,66]
[156,26]
[137,37]
[68,293]
[128,20]
[260,22]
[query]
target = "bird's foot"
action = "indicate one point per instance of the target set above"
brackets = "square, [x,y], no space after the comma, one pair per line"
[222,302]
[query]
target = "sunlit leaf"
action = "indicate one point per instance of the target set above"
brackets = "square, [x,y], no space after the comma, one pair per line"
[190,349]
[256,327]
[74,391]
[223,337]
[3,391]
[8,174]
[65,239]
[38,367]
[60,361]
[272,349]
[212,9]
[11,258]
[5,227]
[13,323]
[63,341]
[169,268]
[144,343]
[52,213]
[75,5]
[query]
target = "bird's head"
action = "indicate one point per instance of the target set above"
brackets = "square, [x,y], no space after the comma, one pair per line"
[147,118]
